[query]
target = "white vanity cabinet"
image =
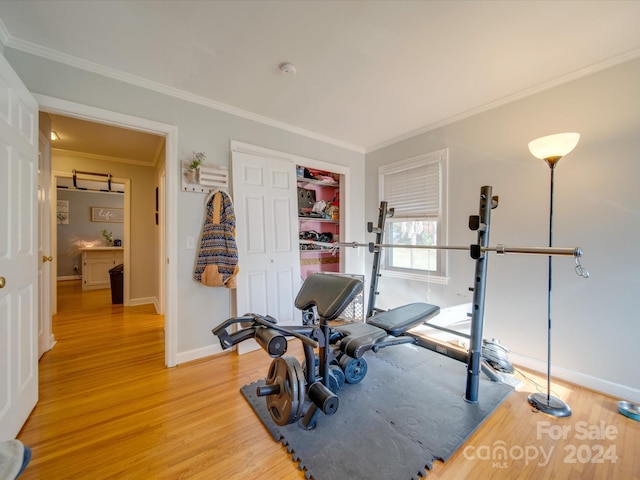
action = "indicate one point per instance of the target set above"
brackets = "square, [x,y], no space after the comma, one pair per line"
[96,263]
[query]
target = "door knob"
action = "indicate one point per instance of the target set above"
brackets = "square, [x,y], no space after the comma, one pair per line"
[47,259]
[2,282]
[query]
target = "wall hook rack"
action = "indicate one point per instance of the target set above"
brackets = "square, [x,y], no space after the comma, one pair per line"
[205,179]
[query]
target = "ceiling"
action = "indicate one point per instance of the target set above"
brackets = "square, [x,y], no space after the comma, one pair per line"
[105,141]
[368,72]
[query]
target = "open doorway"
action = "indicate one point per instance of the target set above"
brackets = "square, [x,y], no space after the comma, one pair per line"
[92,165]
[154,203]
[92,234]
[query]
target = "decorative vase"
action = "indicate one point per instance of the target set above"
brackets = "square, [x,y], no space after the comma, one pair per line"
[191,175]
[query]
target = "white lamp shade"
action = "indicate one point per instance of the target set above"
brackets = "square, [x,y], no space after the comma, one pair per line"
[554,146]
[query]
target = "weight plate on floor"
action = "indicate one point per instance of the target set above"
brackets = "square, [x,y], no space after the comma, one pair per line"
[336,372]
[333,383]
[354,368]
[285,406]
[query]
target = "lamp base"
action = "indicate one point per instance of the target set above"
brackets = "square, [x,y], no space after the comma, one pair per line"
[549,404]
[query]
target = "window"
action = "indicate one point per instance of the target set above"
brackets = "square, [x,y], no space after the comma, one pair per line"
[416,190]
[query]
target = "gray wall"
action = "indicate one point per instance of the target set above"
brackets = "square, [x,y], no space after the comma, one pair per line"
[597,207]
[203,129]
[81,229]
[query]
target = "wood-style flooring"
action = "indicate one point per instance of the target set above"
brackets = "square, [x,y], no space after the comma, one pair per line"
[109,409]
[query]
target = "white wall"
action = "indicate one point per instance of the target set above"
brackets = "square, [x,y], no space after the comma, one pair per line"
[597,207]
[203,129]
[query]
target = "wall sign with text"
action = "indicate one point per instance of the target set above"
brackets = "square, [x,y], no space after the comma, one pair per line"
[107,214]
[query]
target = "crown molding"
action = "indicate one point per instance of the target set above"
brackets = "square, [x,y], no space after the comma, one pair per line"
[610,62]
[50,54]
[38,50]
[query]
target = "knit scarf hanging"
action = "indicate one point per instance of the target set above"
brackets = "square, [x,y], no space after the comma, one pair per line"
[217,263]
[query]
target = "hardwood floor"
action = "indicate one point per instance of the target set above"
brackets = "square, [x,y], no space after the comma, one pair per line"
[109,409]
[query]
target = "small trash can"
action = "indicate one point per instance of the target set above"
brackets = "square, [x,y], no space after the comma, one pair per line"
[116,274]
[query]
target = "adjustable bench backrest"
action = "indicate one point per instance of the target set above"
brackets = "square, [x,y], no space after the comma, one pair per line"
[330,294]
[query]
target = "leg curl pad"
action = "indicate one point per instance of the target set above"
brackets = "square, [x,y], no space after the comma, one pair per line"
[323,398]
[272,341]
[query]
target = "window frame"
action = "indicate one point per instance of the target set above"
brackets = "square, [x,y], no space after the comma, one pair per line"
[440,157]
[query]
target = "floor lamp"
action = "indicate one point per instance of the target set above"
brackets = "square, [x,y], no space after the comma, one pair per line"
[551,149]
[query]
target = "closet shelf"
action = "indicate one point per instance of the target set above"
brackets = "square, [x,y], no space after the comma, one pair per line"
[321,251]
[317,219]
[312,181]
[324,246]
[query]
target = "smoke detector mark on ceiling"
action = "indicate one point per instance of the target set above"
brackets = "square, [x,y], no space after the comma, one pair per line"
[288,69]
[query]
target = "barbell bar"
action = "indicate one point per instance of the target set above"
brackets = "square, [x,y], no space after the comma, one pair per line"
[500,249]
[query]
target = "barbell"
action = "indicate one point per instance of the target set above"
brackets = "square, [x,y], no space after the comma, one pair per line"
[500,249]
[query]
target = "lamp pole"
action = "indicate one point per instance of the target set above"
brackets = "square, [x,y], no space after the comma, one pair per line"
[551,149]
[548,403]
[552,169]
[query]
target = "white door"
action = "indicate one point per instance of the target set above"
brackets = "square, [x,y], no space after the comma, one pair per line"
[45,336]
[18,252]
[265,201]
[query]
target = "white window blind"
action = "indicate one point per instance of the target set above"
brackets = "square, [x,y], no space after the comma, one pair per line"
[414,190]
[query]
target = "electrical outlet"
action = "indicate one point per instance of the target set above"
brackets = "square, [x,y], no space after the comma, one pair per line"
[75,268]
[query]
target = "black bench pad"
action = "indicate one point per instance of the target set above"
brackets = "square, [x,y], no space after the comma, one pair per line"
[330,294]
[383,329]
[358,338]
[401,319]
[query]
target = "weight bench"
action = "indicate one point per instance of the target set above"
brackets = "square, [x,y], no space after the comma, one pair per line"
[288,387]
[383,329]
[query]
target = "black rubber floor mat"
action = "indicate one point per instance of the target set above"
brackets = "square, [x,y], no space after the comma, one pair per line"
[407,412]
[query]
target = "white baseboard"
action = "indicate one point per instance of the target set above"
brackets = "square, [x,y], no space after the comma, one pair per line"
[249,346]
[196,354]
[214,349]
[69,277]
[143,301]
[616,390]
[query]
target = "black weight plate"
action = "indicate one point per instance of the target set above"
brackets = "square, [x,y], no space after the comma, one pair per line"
[338,374]
[354,368]
[285,406]
[333,383]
